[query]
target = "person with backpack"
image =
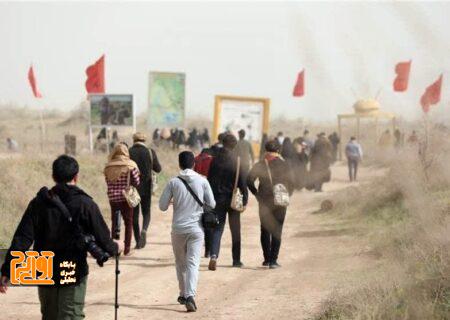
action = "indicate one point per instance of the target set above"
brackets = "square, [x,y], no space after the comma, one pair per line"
[185,192]
[203,162]
[275,187]
[57,220]
[147,162]
[202,165]
[226,180]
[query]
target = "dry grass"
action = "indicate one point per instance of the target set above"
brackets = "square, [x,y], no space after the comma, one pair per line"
[26,175]
[405,221]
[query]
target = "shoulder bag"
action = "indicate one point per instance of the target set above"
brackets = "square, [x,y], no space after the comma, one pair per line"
[237,199]
[209,216]
[153,174]
[130,193]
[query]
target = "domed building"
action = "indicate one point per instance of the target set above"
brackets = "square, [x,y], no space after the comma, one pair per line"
[365,108]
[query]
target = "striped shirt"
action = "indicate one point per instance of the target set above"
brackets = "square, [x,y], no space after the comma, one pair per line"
[115,189]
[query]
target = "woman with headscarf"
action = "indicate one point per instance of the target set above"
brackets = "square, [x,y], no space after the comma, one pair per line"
[118,171]
[300,163]
[287,149]
[321,158]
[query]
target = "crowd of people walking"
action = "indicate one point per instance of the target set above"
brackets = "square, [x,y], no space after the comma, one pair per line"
[219,177]
[216,183]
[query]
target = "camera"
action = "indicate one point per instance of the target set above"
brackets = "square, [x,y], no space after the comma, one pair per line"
[88,242]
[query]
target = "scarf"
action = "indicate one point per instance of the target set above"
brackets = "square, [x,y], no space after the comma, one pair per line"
[269,156]
[119,162]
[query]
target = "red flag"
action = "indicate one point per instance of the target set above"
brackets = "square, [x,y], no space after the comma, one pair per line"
[432,95]
[33,85]
[95,82]
[299,89]
[401,81]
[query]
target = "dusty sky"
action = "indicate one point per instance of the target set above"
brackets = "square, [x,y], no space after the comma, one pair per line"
[349,50]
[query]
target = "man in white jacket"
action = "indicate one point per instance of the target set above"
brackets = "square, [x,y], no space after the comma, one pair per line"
[187,229]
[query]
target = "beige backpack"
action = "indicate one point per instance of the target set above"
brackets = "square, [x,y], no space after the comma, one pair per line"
[280,192]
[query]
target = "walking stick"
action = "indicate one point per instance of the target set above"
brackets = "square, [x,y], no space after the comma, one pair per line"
[116,302]
[116,233]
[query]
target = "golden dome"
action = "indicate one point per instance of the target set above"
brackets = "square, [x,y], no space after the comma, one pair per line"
[366,106]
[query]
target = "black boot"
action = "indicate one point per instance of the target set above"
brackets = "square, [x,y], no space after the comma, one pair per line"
[274,265]
[237,264]
[190,305]
[143,239]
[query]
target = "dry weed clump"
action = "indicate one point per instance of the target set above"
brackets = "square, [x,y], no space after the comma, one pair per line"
[25,174]
[405,219]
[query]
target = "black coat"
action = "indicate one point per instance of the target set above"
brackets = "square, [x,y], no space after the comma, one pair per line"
[140,154]
[222,175]
[46,226]
[280,172]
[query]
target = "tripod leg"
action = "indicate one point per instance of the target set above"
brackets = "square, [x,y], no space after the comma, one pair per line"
[116,302]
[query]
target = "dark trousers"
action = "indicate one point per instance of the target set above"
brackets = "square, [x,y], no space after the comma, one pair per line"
[245,170]
[235,228]
[208,240]
[144,206]
[272,220]
[127,214]
[352,168]
[63,303]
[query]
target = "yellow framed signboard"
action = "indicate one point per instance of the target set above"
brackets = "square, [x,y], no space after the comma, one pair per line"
[233,113]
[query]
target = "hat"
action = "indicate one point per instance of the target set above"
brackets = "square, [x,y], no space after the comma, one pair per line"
[139,136]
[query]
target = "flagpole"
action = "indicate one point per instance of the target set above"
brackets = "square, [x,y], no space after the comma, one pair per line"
[425,147]
[378,93]
[41,117]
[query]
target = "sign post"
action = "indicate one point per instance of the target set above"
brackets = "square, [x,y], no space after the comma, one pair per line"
[233,113]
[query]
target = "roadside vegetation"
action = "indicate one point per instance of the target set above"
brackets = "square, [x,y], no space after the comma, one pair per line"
[403,220]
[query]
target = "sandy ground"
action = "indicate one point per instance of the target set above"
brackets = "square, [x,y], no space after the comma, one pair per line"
[317,255]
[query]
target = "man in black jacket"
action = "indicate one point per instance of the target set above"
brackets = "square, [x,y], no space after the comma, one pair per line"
[45,225]
[215,148]
[147,162]
[221,177]
[271,216]
[244,150]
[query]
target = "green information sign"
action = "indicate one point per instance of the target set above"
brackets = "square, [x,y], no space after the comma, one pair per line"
[166,99]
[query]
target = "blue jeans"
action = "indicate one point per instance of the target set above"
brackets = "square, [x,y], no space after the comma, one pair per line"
[352,168]
[235,228]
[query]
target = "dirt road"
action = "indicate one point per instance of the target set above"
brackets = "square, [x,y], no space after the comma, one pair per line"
[316,254]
